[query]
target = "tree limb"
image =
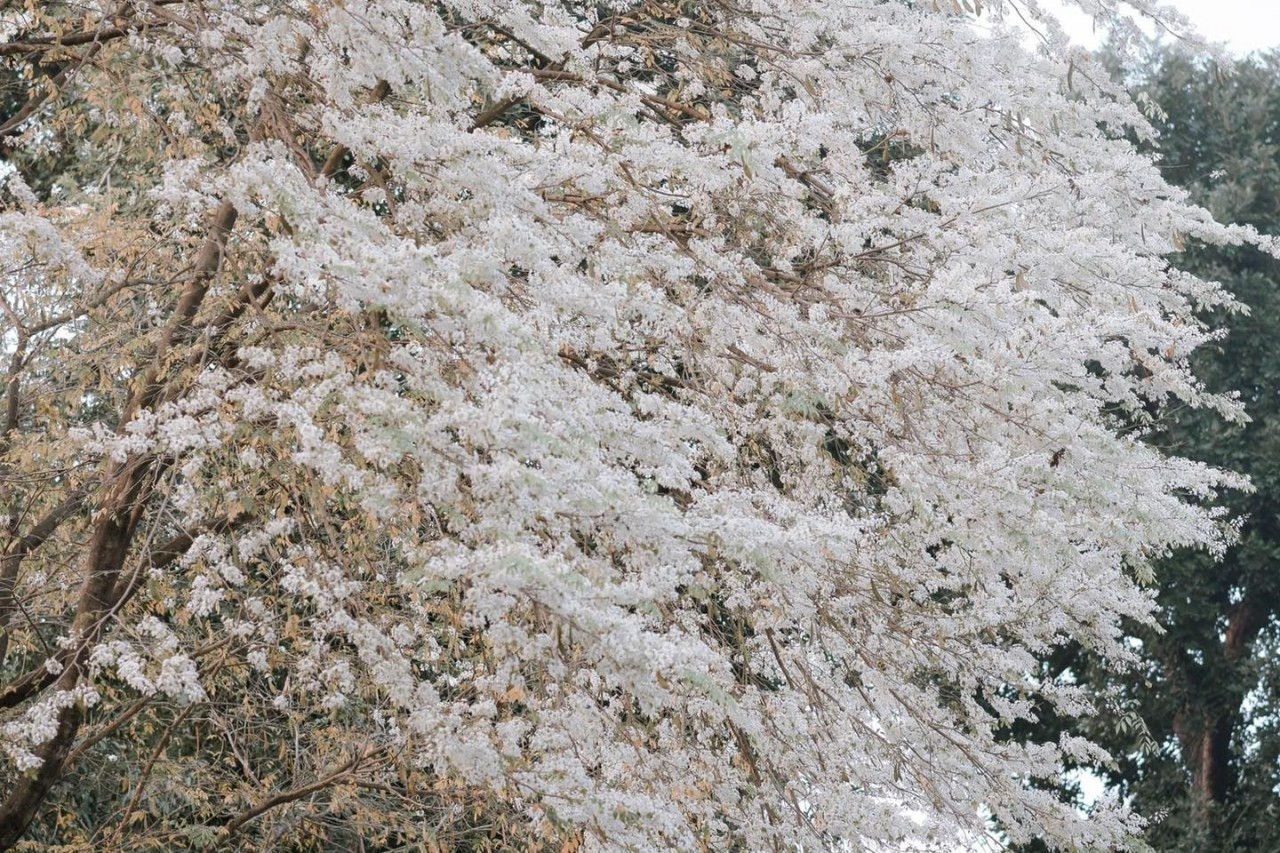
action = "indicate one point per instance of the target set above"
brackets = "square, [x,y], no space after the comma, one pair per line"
[284,797]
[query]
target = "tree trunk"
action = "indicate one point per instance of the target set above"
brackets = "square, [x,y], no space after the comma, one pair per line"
[107,552]
[1206,723]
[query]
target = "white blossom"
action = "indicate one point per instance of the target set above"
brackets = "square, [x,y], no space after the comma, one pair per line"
[686,431]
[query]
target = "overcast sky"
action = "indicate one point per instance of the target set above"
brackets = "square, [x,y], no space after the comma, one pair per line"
[1244,24]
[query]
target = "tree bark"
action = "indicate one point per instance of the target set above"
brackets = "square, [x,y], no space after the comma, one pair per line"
[125,493]
[1206,723]
[107,551]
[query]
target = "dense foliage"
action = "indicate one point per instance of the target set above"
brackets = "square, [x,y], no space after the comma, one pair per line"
[525,424]
[1197,724]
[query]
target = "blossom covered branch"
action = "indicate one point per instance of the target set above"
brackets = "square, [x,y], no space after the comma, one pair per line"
[657,425]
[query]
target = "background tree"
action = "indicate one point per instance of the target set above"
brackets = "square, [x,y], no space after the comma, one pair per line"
[1197,722]
[530,425]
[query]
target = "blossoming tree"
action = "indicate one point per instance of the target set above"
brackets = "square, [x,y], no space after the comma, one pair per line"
[533,424]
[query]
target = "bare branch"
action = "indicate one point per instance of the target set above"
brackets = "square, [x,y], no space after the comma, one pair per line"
[284,797]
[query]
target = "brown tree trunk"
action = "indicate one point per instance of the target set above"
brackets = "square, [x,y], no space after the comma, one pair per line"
[107,552]
[1206,743]
[1205,725]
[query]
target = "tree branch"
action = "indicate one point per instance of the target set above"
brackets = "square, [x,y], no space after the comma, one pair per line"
[41,44]
[20,548]
[233,826]
[333,162]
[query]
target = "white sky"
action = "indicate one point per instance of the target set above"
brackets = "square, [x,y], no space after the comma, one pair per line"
[1245,25]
